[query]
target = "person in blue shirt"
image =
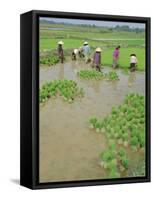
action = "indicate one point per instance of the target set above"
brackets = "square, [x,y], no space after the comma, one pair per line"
[86,51]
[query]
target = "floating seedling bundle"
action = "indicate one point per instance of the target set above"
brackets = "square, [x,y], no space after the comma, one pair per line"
[114,160]
[93,74]
[67,89]
[125,126]
[112,75]
[50,60]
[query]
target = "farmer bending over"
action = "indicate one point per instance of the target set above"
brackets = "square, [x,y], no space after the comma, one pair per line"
[133,62]
[116,57]
[80,52]
[60,51]
[86,51]
[97,59]
[74,54]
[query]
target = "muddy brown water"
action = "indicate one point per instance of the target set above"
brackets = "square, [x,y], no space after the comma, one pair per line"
[68,149]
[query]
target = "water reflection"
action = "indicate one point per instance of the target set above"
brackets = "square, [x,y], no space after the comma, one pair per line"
[61,72]
[131,79]
[114,84]
[96,86]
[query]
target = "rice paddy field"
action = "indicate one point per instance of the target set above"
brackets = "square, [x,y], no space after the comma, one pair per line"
[130,42]
[92,124]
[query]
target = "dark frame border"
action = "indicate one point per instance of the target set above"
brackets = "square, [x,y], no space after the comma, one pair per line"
[35,14]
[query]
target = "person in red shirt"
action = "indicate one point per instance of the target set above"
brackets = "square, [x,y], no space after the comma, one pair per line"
[116,57]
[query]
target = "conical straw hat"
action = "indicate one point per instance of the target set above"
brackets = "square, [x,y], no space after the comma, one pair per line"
[98,49]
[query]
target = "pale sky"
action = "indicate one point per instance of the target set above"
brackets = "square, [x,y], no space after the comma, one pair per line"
[96,22]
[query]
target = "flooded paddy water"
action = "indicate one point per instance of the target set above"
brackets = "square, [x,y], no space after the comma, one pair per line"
[68,149]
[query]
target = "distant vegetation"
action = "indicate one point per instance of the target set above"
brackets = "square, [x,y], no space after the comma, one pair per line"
[118,27]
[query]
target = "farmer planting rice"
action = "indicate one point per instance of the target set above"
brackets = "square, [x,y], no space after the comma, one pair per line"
[116,57]
[80,52]
[97,59]
[74,54]
[60,51]
[86,51]
[133,62]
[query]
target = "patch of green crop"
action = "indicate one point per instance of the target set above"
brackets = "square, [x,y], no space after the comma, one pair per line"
[112,75]
[67,89]
[125,127]
[50,60]
[114,161]
[93,74]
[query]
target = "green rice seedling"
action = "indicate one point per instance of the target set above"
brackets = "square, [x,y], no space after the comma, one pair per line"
[134,141]
[111,165]
[98,127]
[114,110]
[125,137]
[102,126]
[114,173]
[121,153]
[141,139]
[112,147]
[125,162]
[112,76]
[108,155]
[92,122]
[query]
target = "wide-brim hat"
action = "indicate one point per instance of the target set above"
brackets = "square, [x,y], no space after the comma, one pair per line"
[98,49]
[85,43]
[61,42]
[75,51]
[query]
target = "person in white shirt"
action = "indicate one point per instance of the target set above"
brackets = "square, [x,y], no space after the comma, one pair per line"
[133,62]
[74,54]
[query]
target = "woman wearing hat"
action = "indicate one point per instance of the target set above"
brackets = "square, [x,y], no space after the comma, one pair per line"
[97,59]
[116,56]
[86,51]
[60,51]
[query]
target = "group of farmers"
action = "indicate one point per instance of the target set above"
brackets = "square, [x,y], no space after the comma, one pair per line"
[85,51]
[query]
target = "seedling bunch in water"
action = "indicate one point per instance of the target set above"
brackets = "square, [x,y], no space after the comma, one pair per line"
[93,74]
[112,75]
[125,125]
[51,60]
[114,160]
[67,89]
